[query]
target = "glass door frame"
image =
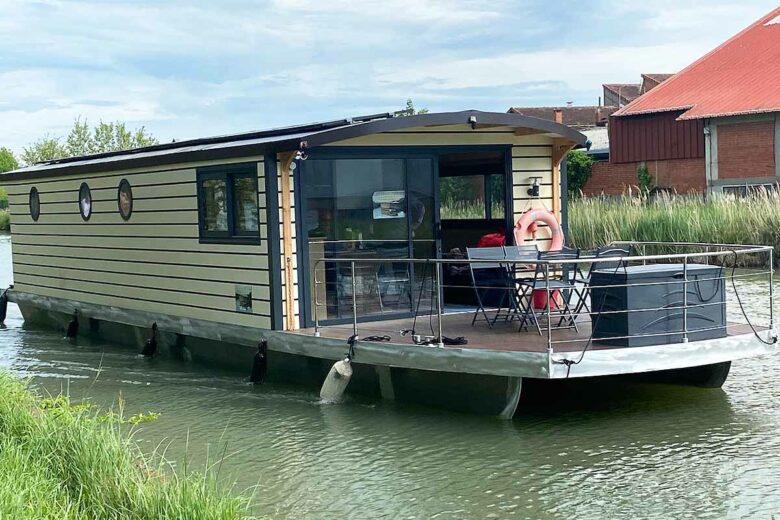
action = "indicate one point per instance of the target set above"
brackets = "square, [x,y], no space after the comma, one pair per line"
[382,152]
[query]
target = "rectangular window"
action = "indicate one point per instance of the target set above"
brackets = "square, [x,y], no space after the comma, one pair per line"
[472,197]
[227,203]
[751,190]
[463,197]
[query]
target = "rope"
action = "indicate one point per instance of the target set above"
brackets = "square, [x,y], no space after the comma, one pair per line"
[377,338]
[742,308]
[569,362]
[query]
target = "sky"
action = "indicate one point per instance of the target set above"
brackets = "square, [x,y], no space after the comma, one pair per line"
[195,69]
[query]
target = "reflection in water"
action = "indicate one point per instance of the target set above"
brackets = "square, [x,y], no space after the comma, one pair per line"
[601,450]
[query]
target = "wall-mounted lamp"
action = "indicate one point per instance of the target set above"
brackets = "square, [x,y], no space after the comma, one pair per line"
[534,190]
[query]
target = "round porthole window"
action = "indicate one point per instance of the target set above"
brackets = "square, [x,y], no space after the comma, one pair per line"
[124,199]
[85,201]
[35,204]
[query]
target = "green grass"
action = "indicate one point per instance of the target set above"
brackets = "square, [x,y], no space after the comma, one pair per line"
[453,209]
[720,219]
[65,461]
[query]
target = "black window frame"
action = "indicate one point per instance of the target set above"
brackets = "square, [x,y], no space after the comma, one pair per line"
[85,187]
[34,193]
[227,173]
[124,183]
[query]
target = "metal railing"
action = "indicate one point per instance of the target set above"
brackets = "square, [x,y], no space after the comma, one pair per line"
[548,274]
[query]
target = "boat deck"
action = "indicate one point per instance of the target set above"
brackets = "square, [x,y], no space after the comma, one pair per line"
[503,336]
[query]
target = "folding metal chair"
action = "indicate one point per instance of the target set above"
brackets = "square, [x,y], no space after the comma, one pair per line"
[521,260]
[553,275]
[492,282]
[601,252]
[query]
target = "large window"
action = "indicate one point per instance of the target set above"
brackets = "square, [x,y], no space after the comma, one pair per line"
[373,210]
[227,202]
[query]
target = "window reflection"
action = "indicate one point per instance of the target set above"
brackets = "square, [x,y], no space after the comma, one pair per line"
[214,192]
[245,203]
[366,209]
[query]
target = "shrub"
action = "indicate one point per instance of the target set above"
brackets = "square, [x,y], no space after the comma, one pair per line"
[579,168]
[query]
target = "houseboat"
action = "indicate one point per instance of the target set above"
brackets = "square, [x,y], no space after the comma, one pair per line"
[418,251]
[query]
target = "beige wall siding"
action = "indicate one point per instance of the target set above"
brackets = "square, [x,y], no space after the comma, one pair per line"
[152,262]
[532,160]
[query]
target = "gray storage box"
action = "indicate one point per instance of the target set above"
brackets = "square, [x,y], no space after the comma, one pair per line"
[663,289]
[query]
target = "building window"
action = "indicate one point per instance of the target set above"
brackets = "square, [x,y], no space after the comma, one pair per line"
[227,202]
[85,201]
[750,190]
[124,199]
[35,204]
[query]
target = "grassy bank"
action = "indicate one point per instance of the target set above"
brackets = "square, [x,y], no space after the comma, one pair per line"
[722,219]
[64,461]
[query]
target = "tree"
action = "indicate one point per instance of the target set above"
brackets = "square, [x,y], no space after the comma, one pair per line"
[644,179]
[410,110]
[44,149]
[83,140]
[7,160]
[579,167]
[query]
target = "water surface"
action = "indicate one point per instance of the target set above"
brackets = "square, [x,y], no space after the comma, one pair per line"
[649,451]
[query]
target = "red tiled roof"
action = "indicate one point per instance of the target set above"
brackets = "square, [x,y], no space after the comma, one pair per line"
[577,117]
[738,77]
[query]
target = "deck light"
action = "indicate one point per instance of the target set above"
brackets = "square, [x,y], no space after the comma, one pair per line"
[533,191]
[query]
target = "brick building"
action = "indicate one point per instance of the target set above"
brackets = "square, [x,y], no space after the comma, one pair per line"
[714,126]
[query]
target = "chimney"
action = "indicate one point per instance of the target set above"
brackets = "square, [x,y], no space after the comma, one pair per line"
[599,115]
[558,115]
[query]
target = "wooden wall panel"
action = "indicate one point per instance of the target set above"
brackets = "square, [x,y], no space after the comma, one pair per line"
[153,261]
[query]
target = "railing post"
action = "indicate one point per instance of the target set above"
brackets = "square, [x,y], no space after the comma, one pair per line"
[771,291]
[316,302]
[354,302]
[549,307]
[685,299]
[439,303]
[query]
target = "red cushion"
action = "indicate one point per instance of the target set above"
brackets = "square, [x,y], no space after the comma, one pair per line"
[492,240]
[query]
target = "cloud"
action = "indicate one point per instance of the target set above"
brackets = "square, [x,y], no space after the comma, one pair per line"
[188,69]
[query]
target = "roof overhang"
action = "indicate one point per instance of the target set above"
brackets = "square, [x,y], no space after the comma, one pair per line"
[260,143]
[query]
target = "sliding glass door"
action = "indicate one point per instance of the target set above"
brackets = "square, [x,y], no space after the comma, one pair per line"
[372,210]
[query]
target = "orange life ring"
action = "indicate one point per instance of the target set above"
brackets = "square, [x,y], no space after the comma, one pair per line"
[531,217]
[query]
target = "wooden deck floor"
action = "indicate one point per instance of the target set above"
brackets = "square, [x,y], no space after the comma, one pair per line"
[504,336]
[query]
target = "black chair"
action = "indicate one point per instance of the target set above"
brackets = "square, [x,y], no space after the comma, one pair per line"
[493,284]
[584,280]
[556,273]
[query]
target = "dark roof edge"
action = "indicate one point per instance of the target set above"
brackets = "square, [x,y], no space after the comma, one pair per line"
[321,136]
[445,118]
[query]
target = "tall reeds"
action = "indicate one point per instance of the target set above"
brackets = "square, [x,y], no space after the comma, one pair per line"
[65,461]
[676,218]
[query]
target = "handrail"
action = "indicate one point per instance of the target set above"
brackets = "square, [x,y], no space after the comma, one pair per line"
[685,258]
[745,250]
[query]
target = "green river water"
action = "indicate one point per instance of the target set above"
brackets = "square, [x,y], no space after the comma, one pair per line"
[616,451]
